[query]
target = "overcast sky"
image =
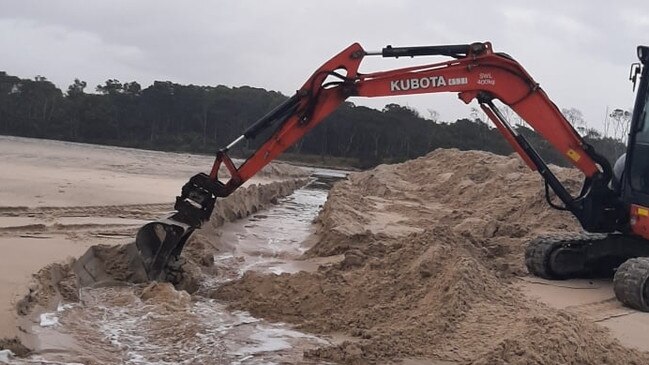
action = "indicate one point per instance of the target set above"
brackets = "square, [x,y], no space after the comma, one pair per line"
[579,51]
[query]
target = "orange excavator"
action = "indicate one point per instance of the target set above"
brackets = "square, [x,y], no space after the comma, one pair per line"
[612,205]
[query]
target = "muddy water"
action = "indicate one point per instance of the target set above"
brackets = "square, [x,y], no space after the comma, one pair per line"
[270,241]
[159,325]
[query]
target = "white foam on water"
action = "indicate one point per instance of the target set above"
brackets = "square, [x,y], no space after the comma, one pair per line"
[277,270]
[48,319]
[12,360]
[268,338]
[265,340]
[244,317]
[63,307]
[5,356]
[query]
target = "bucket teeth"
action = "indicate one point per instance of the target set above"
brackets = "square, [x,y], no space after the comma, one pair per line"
[158,242]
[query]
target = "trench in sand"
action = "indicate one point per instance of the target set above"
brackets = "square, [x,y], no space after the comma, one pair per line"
[157,324]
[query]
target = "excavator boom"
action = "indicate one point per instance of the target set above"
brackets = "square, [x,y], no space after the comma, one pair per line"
[474,72]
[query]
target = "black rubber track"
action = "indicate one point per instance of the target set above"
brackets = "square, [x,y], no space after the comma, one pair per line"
[539,251]
[537,256]
[630,283]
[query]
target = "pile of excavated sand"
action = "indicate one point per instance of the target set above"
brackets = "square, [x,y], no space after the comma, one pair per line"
[494,201]
[430,247]
[105,265]
[280,170]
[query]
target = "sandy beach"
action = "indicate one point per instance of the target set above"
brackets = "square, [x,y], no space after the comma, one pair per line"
[419,262]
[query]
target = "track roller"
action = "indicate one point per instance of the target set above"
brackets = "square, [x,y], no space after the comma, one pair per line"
[630,283]
[537,258]
[560,256]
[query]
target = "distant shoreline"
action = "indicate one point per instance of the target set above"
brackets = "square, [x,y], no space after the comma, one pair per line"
[310,161]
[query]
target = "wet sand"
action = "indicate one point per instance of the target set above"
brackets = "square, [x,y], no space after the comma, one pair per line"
[20,258]
[54,173]
[593,299]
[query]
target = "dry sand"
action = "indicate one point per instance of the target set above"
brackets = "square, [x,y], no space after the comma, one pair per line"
[433,253]
[59,198]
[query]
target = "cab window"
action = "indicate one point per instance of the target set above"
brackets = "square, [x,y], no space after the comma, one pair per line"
[639,174]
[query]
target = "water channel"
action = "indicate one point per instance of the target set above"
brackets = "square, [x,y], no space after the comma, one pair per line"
[120,325]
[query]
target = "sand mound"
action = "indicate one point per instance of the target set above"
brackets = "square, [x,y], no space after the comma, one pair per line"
[52,284]
[282,170]
[430,246]
[165,294]
[493,201]
[250,200]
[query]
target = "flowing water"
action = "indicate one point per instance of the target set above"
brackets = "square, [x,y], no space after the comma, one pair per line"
[159,325]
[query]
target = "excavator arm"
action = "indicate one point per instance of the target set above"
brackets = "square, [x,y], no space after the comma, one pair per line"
[475,72]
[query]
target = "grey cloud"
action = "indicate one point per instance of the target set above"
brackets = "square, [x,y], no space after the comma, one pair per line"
[578,50]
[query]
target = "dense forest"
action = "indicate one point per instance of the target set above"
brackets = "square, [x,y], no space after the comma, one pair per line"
[189,118]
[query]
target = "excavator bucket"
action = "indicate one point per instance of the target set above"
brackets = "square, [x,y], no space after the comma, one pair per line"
[160,241]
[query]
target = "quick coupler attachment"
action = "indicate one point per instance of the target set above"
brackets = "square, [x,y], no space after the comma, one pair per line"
[196,201]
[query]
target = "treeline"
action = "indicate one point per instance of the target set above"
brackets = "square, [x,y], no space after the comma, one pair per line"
[190,118]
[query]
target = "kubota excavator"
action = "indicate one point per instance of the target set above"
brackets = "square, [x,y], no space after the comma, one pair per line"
[612,206]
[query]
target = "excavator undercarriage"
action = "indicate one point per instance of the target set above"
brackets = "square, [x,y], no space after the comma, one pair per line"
[581,255]
[594,255]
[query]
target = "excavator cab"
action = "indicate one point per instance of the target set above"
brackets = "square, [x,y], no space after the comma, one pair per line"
[635,180]
[623,251]
[631,280]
